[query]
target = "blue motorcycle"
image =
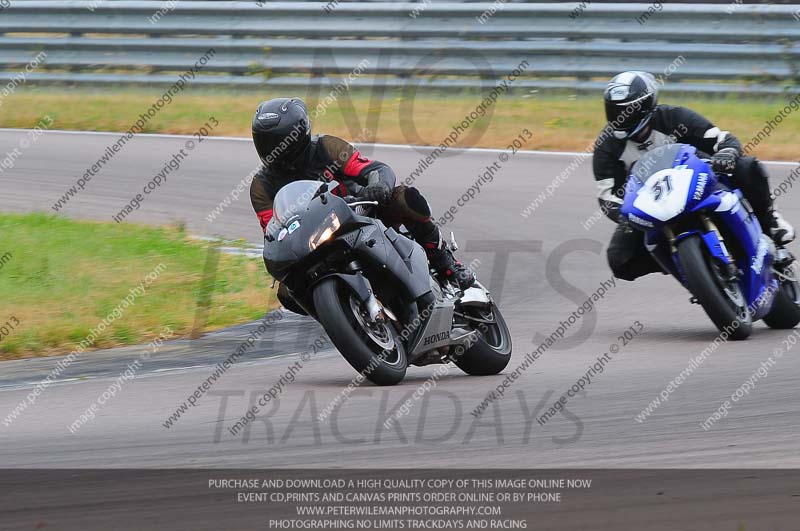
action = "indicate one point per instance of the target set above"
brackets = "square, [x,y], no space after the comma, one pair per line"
[702,231]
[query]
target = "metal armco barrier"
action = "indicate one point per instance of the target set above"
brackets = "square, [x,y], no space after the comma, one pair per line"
[714,48]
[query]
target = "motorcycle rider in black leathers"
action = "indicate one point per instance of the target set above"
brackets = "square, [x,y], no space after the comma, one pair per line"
[637,124]
[288,152]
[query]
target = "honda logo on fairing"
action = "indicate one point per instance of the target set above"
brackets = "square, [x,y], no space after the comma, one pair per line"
[435,338]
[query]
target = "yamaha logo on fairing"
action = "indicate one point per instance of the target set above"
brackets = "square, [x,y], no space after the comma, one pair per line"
[435,338]
[761,254]
[640,221]
[702,179]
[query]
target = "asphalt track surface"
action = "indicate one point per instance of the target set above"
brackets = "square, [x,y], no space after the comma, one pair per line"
[561,265]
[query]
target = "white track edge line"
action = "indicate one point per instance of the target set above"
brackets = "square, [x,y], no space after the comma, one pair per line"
[391,146]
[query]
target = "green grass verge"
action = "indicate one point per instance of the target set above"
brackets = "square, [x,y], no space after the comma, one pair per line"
[60,278]
[558,120]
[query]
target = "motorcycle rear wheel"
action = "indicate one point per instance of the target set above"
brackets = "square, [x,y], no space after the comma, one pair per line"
[492,351]
[722,301]
[372,349]
[785,311]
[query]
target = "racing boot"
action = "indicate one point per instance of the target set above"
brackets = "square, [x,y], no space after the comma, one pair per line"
[441,258]
[779,229]
[774,225]
[288,302]
[751,177]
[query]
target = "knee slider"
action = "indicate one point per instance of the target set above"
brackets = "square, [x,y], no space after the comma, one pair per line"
[749,168]
[288,302]
[620,262]
[415,202]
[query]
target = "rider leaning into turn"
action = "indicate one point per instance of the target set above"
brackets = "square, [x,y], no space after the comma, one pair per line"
[288,152]
[640,124]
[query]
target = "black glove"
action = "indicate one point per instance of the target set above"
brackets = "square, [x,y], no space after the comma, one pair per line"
[724,160]
[611,210]
[378,191]
[624,225]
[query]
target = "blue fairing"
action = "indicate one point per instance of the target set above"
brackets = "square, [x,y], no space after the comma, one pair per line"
[758,251]
[670,183]
[717,248]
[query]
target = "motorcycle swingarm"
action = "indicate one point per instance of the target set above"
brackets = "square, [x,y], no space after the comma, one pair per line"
[458,338]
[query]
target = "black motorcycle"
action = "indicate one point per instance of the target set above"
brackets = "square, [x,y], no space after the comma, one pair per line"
[372,289]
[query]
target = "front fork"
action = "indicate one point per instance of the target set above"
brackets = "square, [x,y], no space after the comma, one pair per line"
[365,293]
[715,243]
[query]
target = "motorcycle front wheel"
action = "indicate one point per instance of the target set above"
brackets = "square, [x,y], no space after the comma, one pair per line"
[722,300]
[373,348]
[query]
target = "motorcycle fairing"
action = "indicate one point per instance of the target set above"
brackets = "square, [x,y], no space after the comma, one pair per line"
[281,255]
[664,184]
[436,329]
[372,247]
[653,201]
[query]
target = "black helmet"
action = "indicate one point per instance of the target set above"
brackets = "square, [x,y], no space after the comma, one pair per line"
[281,130]
[630,99]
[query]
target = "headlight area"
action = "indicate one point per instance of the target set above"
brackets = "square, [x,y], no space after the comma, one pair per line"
[326,229]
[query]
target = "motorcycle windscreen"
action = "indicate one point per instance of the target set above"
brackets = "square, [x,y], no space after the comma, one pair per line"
[292,199]
[660,158]
[666,181]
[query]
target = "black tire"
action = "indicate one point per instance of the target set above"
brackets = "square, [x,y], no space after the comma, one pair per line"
[492,351]
[785,311]
[332,303]
[708,288]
